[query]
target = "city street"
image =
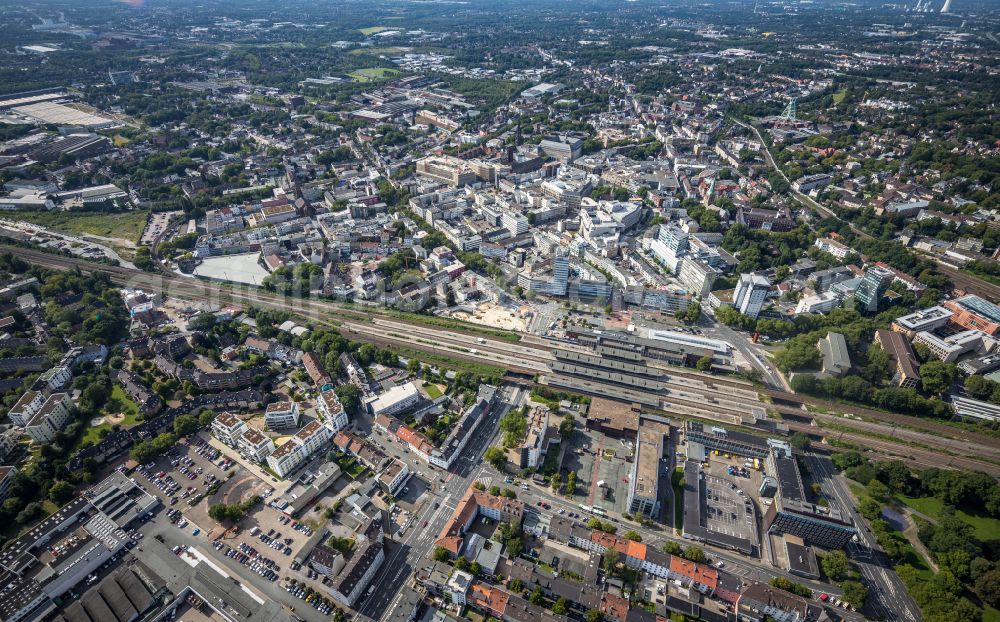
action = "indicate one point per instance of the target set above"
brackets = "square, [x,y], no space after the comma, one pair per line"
[406,555]
[887,594]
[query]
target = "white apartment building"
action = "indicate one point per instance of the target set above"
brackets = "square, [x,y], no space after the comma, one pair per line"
[26,407]
[281,415]
[50,418]
[751,292]
[57,378]
[394,476]
[833,247]
[7,474]
[228,428]
[517,224]
[332,411]
[255,444]
[299,448]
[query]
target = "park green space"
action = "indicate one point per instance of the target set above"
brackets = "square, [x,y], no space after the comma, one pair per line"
[124,226]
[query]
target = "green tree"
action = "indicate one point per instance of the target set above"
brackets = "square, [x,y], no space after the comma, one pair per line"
[561,606]
[987,586]
[672,548]
[441,554]
[694,554]
[61,492]
[835,565]
[594,615]
[206,418]
[800,441]
[566,426]
[496,457]
[854,593]
[633,535]
[536,596]
[877,490]
[185,424]
[704,364]
[936,376]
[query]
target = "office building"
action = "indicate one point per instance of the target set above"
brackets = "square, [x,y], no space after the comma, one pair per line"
[950,347]
[873,286]
[447,170]
[791,512]
[905,368]
[564,148]
[670,246]
[698,276]
[923,320]
[818,303]
[395,400]
[974,313]
[750,293]
[647,467]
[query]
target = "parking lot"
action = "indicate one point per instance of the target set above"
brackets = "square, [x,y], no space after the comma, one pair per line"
[190,470]
[733,489]
[182,474]
[727,511]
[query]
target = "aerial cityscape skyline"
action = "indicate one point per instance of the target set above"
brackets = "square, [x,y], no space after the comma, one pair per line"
[510,311]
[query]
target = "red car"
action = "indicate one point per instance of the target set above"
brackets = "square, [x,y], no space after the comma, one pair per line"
[824,597]
[425,523]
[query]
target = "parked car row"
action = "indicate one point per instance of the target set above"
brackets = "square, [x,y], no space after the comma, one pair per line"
[311,596]
[274,541]
[251,558]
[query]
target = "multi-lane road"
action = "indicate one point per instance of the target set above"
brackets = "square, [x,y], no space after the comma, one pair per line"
[887,594]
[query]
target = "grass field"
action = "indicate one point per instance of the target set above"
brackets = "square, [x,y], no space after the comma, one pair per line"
[376,51]
[984,527]
[126,226]
[839,96]
[433,390]
[119,402]
[990,614]
[371,30]
[368,74]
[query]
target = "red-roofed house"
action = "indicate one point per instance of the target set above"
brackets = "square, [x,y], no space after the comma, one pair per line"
[473,504]
[492,600]
[614,608]
[704,578]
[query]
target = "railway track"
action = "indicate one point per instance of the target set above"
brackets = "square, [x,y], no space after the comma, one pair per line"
[489,351]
